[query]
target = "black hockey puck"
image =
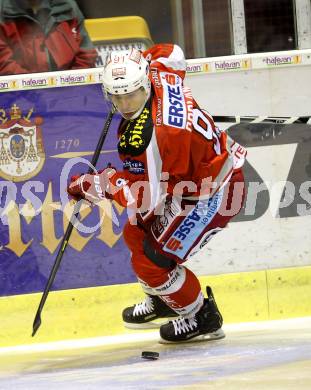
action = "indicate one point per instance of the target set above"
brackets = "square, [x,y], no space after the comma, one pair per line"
[150,355]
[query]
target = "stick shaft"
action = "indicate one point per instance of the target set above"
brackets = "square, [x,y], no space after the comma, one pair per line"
[64,242]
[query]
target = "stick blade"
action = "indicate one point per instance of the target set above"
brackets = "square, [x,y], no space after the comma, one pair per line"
[36,324]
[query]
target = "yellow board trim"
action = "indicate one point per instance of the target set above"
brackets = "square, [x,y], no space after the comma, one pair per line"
[122,29]
[96,311]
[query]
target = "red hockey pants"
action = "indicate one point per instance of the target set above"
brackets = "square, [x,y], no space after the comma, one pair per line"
[183,236]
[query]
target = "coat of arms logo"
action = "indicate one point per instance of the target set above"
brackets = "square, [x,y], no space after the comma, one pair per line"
[21,145]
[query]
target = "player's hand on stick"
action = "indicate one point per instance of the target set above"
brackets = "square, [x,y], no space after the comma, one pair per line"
[91,187]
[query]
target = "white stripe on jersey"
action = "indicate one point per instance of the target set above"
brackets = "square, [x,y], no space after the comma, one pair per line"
[176,59]
[154,167]
[219,182]
[237,151]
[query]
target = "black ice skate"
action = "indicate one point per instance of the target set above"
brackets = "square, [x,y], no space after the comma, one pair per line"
[205,325]
[144,314]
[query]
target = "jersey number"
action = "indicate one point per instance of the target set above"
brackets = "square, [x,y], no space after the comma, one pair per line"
[203,125]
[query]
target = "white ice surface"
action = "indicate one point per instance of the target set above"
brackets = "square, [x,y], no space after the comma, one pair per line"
[276,354]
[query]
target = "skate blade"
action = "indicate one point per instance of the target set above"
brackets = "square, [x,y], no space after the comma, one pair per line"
[148,325]
[217,335]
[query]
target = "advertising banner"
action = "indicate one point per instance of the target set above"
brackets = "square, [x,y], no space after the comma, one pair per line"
[47,135]
[274,228]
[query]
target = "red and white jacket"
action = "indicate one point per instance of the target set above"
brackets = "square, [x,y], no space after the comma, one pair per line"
[184,153]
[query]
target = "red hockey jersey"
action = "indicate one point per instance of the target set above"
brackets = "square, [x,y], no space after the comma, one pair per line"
[173,147]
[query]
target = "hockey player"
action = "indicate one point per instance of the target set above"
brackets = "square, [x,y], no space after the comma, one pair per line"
[183,178]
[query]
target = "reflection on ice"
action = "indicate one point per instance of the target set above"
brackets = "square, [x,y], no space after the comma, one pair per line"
[275,354]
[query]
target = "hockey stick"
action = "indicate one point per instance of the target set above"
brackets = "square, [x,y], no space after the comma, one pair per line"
[63,245]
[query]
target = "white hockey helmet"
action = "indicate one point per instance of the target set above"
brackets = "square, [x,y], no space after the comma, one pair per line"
[125,72]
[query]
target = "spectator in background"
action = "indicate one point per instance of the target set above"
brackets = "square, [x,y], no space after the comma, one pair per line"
[43,35]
